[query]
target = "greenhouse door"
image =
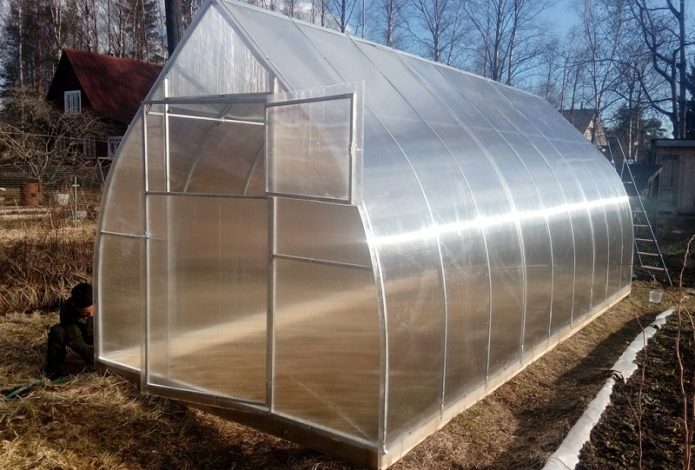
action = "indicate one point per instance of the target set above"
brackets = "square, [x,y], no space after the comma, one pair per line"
[207,255]
[323,299]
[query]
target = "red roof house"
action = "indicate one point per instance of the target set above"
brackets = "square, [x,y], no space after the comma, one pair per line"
[112,87]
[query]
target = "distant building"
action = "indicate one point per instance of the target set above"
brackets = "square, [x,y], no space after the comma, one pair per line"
[676,187]
[111,87]
[588,123]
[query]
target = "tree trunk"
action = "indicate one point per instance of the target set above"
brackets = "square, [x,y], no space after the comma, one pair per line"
[173,20]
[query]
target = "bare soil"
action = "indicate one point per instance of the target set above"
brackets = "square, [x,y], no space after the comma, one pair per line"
[650,421]
[644,425]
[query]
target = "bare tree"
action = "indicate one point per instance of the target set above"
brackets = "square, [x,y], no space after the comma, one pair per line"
[437,28]
[604,28]
[342,11]
[40,139]
[174,21]
[662,24]
[387,18]
[319,12]
[510,36]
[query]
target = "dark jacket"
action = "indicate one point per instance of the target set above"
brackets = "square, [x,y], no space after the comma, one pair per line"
[79,331]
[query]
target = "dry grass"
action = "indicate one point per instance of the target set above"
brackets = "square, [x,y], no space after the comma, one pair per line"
[42,261]
[101,421]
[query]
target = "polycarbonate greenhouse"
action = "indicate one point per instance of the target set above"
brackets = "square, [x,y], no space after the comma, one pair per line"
[343,244]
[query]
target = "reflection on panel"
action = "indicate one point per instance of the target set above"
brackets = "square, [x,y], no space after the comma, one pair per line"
[309,149]
[121,299]
[123,208]
[215,61]
[321,231]
[327,344]
[208,274]
[468,319]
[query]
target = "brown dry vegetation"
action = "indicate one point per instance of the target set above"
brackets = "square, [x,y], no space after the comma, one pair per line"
[101,421]
[40,261]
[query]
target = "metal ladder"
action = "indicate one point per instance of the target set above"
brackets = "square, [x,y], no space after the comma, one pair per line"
[647,254]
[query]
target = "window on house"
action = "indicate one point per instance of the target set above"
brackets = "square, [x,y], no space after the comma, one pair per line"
[73,101]
[89,147]
[114,142]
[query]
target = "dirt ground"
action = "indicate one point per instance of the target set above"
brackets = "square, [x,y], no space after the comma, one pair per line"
[650,421]
[644,427]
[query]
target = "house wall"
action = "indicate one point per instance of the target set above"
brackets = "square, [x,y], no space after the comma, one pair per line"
[676,189]
[65,80]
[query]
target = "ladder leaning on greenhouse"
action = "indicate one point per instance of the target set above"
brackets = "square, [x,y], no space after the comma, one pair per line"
[648,256]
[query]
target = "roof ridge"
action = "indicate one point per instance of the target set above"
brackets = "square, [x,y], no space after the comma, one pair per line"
[70,50]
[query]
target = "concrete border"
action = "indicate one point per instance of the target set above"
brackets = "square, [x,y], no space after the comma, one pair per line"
[567,455]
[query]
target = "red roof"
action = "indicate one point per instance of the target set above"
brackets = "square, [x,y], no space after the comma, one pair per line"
[114,87]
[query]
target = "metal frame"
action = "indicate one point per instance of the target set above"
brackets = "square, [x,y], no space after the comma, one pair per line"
[195,396]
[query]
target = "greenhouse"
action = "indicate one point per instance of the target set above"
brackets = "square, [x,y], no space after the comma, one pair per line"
[343,244]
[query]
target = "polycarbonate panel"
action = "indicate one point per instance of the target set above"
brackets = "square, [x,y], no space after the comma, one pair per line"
[278,38]
[549,251]
[255,184]
[598,219]
[414,393]
[214,60]
[615,190]
[187,139]
[606,186]
[123,206]
[156,158]
[496,216]
[320,231]
[462,245]
[533,226]
[572,241]
[209,257]
[533,112]
[308,151]
[327,347]
[121,299]
[411,276]
[226,157]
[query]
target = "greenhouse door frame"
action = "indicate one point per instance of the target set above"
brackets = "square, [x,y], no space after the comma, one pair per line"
[349,122]
[177,389]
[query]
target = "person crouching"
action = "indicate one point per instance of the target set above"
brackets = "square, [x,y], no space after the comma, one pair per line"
[75,331]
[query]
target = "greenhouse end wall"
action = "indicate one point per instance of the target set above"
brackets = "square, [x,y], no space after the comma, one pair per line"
[343,244]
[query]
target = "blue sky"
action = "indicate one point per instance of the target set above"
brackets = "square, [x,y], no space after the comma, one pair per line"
[562,16]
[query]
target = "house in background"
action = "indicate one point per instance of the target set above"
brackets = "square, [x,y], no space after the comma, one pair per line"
[676,186]
[588,123]
[111,87]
